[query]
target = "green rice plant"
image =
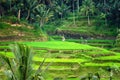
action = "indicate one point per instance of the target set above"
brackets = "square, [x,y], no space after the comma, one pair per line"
[59,45]
[106,64]
[59,60]
[115,57]
[56,37]
[7,54]
[4,47]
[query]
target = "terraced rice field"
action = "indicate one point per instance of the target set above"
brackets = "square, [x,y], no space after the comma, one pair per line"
[69,60]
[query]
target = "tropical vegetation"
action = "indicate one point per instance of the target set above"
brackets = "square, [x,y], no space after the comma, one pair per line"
[59,39]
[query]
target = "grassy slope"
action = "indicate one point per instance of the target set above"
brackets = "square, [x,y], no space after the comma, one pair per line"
[97,34]
[10,32]
[87,52]
[83,28]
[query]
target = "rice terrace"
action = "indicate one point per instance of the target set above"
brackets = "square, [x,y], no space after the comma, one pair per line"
[59,40]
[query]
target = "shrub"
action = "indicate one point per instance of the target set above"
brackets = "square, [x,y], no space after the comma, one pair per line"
[3,25]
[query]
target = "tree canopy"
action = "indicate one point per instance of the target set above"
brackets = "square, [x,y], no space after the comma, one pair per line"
[60,9]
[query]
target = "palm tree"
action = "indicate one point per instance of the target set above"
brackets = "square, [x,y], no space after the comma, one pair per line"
[61,9]
[73,5]
[10,4]
[105,11]
[87,8]
[78,6]
[20,6]
[42,14]
[30,5]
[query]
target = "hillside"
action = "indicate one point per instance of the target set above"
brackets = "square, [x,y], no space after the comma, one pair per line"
[19,32]
[81,32]
[96,34]
[12,28]
[59,39]
[96,30]
[85,48]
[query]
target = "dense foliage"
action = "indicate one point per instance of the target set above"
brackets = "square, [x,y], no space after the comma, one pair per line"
[89,22]
[42,11]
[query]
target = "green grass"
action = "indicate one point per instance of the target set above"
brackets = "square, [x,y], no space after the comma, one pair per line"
[92,41]
[56,37]
[86,30]
[59,60]
[82,28]
[8,54]
[73,79]
[38,59]
[6,42]
[80,56]
[4,47]
[101,64]
[100,44]
[116,57]
[59,45]
[107,44]
[76,30]
[64,47]
[81,53]
[4,25]
[55,67]
[10,31]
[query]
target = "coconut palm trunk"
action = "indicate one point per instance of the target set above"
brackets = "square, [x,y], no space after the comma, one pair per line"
[78,6]
[105,12]
[28,15]
[88,19]
[19,14]
[73,12]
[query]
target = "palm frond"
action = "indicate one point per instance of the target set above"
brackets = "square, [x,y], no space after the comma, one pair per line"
[7,60]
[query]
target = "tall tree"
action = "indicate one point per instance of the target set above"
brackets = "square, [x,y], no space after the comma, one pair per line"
[73,6]
[78,5]
[42,14]
[20,5]
[87,9]
[114,13]
[30,5]
[105,11]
